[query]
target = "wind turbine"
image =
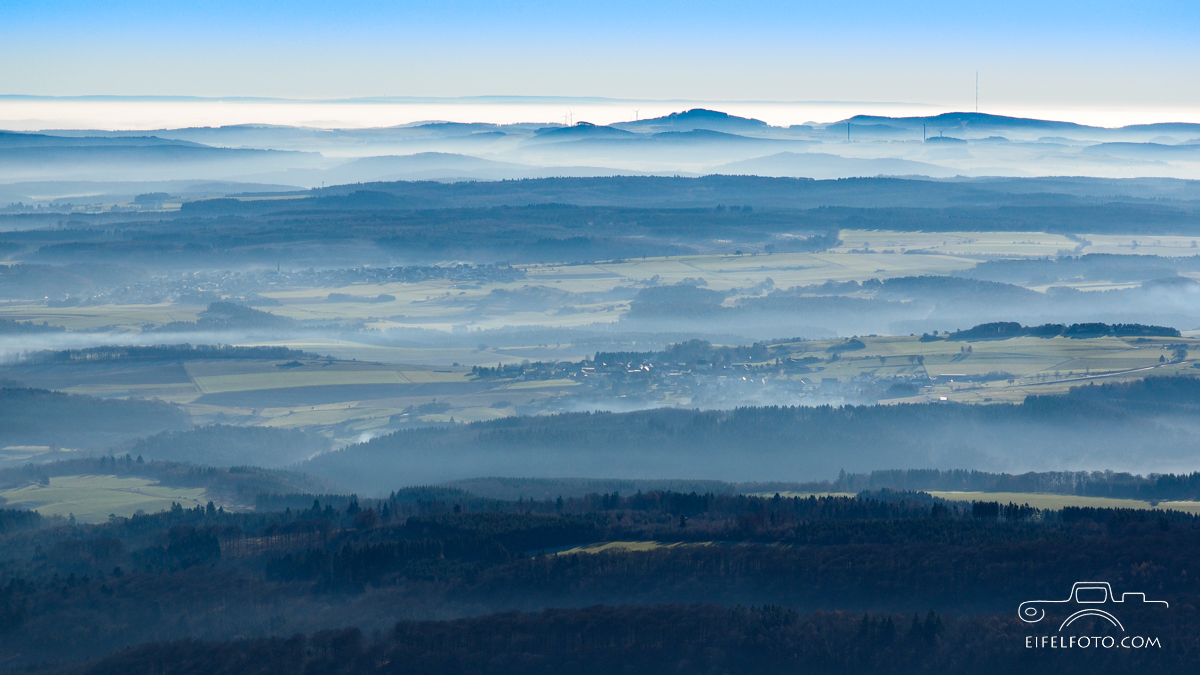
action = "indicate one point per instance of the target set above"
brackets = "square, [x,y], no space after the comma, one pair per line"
[635,114]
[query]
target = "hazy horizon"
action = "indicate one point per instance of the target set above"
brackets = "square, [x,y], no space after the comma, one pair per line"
[151,112]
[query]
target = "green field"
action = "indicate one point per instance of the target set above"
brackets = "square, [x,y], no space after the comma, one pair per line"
[215,384]
[91,499]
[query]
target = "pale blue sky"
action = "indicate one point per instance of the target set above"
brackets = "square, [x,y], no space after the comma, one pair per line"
[1049,53]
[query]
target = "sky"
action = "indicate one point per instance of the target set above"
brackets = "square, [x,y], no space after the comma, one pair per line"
[1120,57]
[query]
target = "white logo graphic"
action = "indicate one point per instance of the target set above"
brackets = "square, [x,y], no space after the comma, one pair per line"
[1088,598]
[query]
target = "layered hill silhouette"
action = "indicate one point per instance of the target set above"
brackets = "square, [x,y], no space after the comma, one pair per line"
[825,166]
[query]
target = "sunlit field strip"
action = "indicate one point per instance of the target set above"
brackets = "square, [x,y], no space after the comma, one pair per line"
[1056,502]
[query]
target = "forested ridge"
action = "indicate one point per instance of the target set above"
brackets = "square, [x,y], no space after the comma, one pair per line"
[70,592]
[226,445]
[559,219]
[24,410]
[180,352]
[673,638]
[235,484]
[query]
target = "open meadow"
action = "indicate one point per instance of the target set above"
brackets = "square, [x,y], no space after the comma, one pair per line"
[92,499]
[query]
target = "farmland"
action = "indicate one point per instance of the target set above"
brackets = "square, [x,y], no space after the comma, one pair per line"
[346,399]
[442,304]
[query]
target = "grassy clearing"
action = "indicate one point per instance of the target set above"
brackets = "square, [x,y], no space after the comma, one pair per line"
[92,498]
[291,379]
[625,546]
[1057,502]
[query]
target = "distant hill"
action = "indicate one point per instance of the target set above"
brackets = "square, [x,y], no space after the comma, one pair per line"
[697,118]
[13,139]
[696,137]
[223,445]
[84,192]
[1156,151]
[37,417]
[229,316]
[580,130]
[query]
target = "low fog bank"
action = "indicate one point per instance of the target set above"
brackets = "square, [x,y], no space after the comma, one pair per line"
[911,305]
[1142,427]
[696,141]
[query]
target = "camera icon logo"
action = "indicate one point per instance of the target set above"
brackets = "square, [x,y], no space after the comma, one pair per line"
[1088,598]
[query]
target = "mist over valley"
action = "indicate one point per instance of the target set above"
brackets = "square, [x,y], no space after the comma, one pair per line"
[721,369]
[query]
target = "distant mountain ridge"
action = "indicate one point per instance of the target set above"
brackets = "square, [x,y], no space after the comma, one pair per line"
[987,124]
[687,143]
[15,139]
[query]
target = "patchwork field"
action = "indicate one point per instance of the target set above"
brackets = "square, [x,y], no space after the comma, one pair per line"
[443,304]
[378,381]
[1002,370]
